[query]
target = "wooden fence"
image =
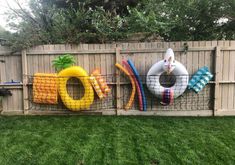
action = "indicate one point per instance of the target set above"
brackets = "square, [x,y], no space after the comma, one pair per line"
[217,98]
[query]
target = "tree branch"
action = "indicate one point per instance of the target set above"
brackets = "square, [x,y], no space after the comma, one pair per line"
[26,13]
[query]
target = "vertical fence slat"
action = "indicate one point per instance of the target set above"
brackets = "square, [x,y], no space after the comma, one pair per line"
[232,43]
[118,86]
[217,79]
[230,78]
[25,82]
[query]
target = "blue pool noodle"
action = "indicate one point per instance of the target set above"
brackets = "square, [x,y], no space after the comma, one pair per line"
[139,82]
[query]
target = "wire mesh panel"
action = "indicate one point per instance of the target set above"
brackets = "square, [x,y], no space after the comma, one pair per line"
[189,100]
[75,90]
[75,96]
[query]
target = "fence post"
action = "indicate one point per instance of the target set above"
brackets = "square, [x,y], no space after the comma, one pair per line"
[118,86]
[217,80]
[25,81]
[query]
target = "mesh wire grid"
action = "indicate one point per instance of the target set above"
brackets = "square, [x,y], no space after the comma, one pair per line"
[189,100]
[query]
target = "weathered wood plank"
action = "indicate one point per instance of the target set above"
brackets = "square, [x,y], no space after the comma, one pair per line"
[231,87]
[166,113]
[225,112]
[25,82]
[67,112]
[225,76]
[118,94]
[132,50]
[217,99]
[230,76]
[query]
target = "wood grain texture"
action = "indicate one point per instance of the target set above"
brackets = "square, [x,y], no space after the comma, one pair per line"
[217,99]
[25,82]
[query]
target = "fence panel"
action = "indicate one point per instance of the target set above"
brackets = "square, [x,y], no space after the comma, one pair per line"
[11,78]
[218,95]
[227,78]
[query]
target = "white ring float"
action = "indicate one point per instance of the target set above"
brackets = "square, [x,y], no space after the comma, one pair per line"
[176,68]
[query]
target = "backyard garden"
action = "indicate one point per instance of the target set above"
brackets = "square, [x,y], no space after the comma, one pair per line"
[117,82]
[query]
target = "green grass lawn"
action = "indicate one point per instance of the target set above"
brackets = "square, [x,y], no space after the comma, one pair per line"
[116,140]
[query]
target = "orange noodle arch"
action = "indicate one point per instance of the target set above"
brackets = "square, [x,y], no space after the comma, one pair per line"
[131,100]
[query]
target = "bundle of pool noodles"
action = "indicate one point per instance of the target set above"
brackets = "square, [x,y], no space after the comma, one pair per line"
[200,79]
[45,90]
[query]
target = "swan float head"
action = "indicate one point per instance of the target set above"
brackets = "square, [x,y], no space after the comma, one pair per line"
[169,61]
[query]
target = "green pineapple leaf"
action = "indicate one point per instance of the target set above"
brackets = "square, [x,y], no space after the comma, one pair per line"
[63,61]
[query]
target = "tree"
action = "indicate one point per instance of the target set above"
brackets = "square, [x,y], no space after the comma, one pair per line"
[98,21]
[195,19]
[4,34]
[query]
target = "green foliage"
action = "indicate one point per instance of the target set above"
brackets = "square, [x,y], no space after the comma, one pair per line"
[100,140]
[63,61]
[4,35]
[80,21]
[107,25]
[199,20]
[146,21]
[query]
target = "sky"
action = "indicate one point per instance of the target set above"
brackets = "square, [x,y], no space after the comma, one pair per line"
[4,8]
